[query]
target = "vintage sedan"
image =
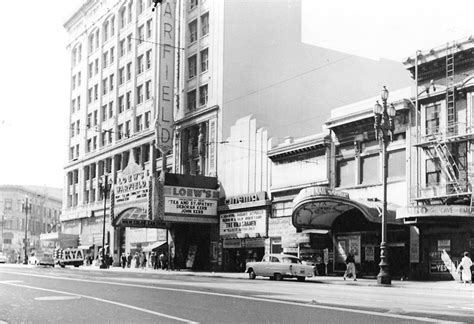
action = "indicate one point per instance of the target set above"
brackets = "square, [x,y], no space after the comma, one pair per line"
[3,258]
[279,266]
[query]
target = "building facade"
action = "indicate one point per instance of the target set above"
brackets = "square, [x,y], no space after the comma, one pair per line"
[41,217]
[440,177]
[170,91]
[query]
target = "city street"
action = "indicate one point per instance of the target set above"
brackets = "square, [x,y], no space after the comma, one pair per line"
[72,295]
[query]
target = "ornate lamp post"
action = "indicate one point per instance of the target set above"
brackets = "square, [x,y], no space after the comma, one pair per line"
[384,126]
[26,206]
[104,187]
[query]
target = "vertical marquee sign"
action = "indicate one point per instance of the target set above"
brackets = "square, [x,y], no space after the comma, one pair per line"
[166,50]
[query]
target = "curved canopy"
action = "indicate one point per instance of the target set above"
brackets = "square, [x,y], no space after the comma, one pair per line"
[136,217]
[318,207]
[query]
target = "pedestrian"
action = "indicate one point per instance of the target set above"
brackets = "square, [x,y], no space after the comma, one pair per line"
[137,260]
[143,260]
[154,262]
[162,261]
[350,270]
[124,260]
[129,260]
[465,267]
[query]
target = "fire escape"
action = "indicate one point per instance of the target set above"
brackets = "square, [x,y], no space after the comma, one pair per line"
[438,144]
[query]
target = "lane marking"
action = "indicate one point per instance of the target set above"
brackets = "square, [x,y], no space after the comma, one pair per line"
[262,299]
[56,298]
[144,310]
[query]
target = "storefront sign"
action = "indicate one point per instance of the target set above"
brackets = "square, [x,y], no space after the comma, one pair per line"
[244,224]
[164,120]
[241,199]
[280,226]
[369,253]
[430,211]
[140,223]
[444,245]
[190,201]
[294,239]
[414,245]
[132,183]
[232,243]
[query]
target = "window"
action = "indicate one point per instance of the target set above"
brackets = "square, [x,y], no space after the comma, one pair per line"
[120,132]
[89,145]
[147,89]
[122,47]
[127,128]
[140,94]
[112,26]
[8,204]
[112,55]
[78,103]
[148,28]
[192,31]
[129,100]
[96,92]
[147,119]
[139,124]
[97,39]
[148,59]
[141,34]
[130,12]
[73,82]
[103,138]
[433,172]
[73,105]
[111,82]
[109,132]
[140,65]
[192,62]
[94,143]
[129,71]
[203,95]
[140,7]
[89,120]
[78,127]
[204,60]
[104,86]
[193,4]
[345,173]
[71,129]
[89,95]
[104,60]
[103,113]
[77,150]
[432,119]
[122,17]
[121,75]
[191,100]
[96,63]
[90,70]
[129,43]
[111,109]
[204,24]
[121,104]
[78,79]
[369,166]
[95,118]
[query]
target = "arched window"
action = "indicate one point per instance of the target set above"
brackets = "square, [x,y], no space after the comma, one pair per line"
[130,5]
[97,38]
[79,53]
[74,57]
[112,26]
[105,31]
[91,43]
[122,17]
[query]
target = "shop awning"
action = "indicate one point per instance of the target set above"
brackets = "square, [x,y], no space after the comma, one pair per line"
[137,217]
[153,246]
[317,208]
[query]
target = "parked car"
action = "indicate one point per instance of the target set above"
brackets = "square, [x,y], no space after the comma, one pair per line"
[279,266]
[3,258]
[41,258]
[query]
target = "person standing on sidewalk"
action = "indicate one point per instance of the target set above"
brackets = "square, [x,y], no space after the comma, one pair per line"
[465,267]
[351,270]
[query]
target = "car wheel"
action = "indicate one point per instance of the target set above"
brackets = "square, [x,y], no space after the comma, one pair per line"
[301,278]
[252,274]
[278,276]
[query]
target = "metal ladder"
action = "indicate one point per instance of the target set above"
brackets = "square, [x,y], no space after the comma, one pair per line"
[450,93]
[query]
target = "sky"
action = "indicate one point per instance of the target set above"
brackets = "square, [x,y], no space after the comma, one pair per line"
[35,79]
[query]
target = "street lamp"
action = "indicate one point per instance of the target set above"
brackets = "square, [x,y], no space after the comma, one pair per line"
[384,127]
[104,187]
[26,206]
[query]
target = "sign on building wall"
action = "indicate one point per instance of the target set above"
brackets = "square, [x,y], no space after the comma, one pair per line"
[167,47]
[189,204]
[251,223]
[132,183]
[212,146]
[414,245]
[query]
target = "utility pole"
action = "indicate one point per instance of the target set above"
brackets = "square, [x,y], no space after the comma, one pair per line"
[26,206]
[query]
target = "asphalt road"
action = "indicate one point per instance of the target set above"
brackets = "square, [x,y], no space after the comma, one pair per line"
[46,295]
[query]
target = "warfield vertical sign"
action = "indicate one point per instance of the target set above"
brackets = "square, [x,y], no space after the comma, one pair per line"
[166,50]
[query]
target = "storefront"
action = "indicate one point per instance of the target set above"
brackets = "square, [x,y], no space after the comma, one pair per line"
[442,233]
[352,225]
[243,229]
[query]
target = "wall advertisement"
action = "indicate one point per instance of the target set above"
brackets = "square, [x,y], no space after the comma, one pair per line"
[242,224]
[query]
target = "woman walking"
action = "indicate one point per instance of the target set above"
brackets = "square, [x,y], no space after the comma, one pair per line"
[465,267]
[351,269]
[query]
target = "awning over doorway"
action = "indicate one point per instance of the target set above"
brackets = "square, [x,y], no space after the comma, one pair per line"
[318,207]
[154,246]
[136,217]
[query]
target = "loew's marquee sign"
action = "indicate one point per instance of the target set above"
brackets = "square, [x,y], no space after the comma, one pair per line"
[185,204]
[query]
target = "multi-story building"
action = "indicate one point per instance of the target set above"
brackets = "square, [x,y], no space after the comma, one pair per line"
[196,68]
[440,204]
[41,216]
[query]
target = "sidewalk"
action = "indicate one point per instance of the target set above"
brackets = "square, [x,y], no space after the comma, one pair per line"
[329,280]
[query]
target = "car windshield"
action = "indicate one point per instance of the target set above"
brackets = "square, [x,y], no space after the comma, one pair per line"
[290,260]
